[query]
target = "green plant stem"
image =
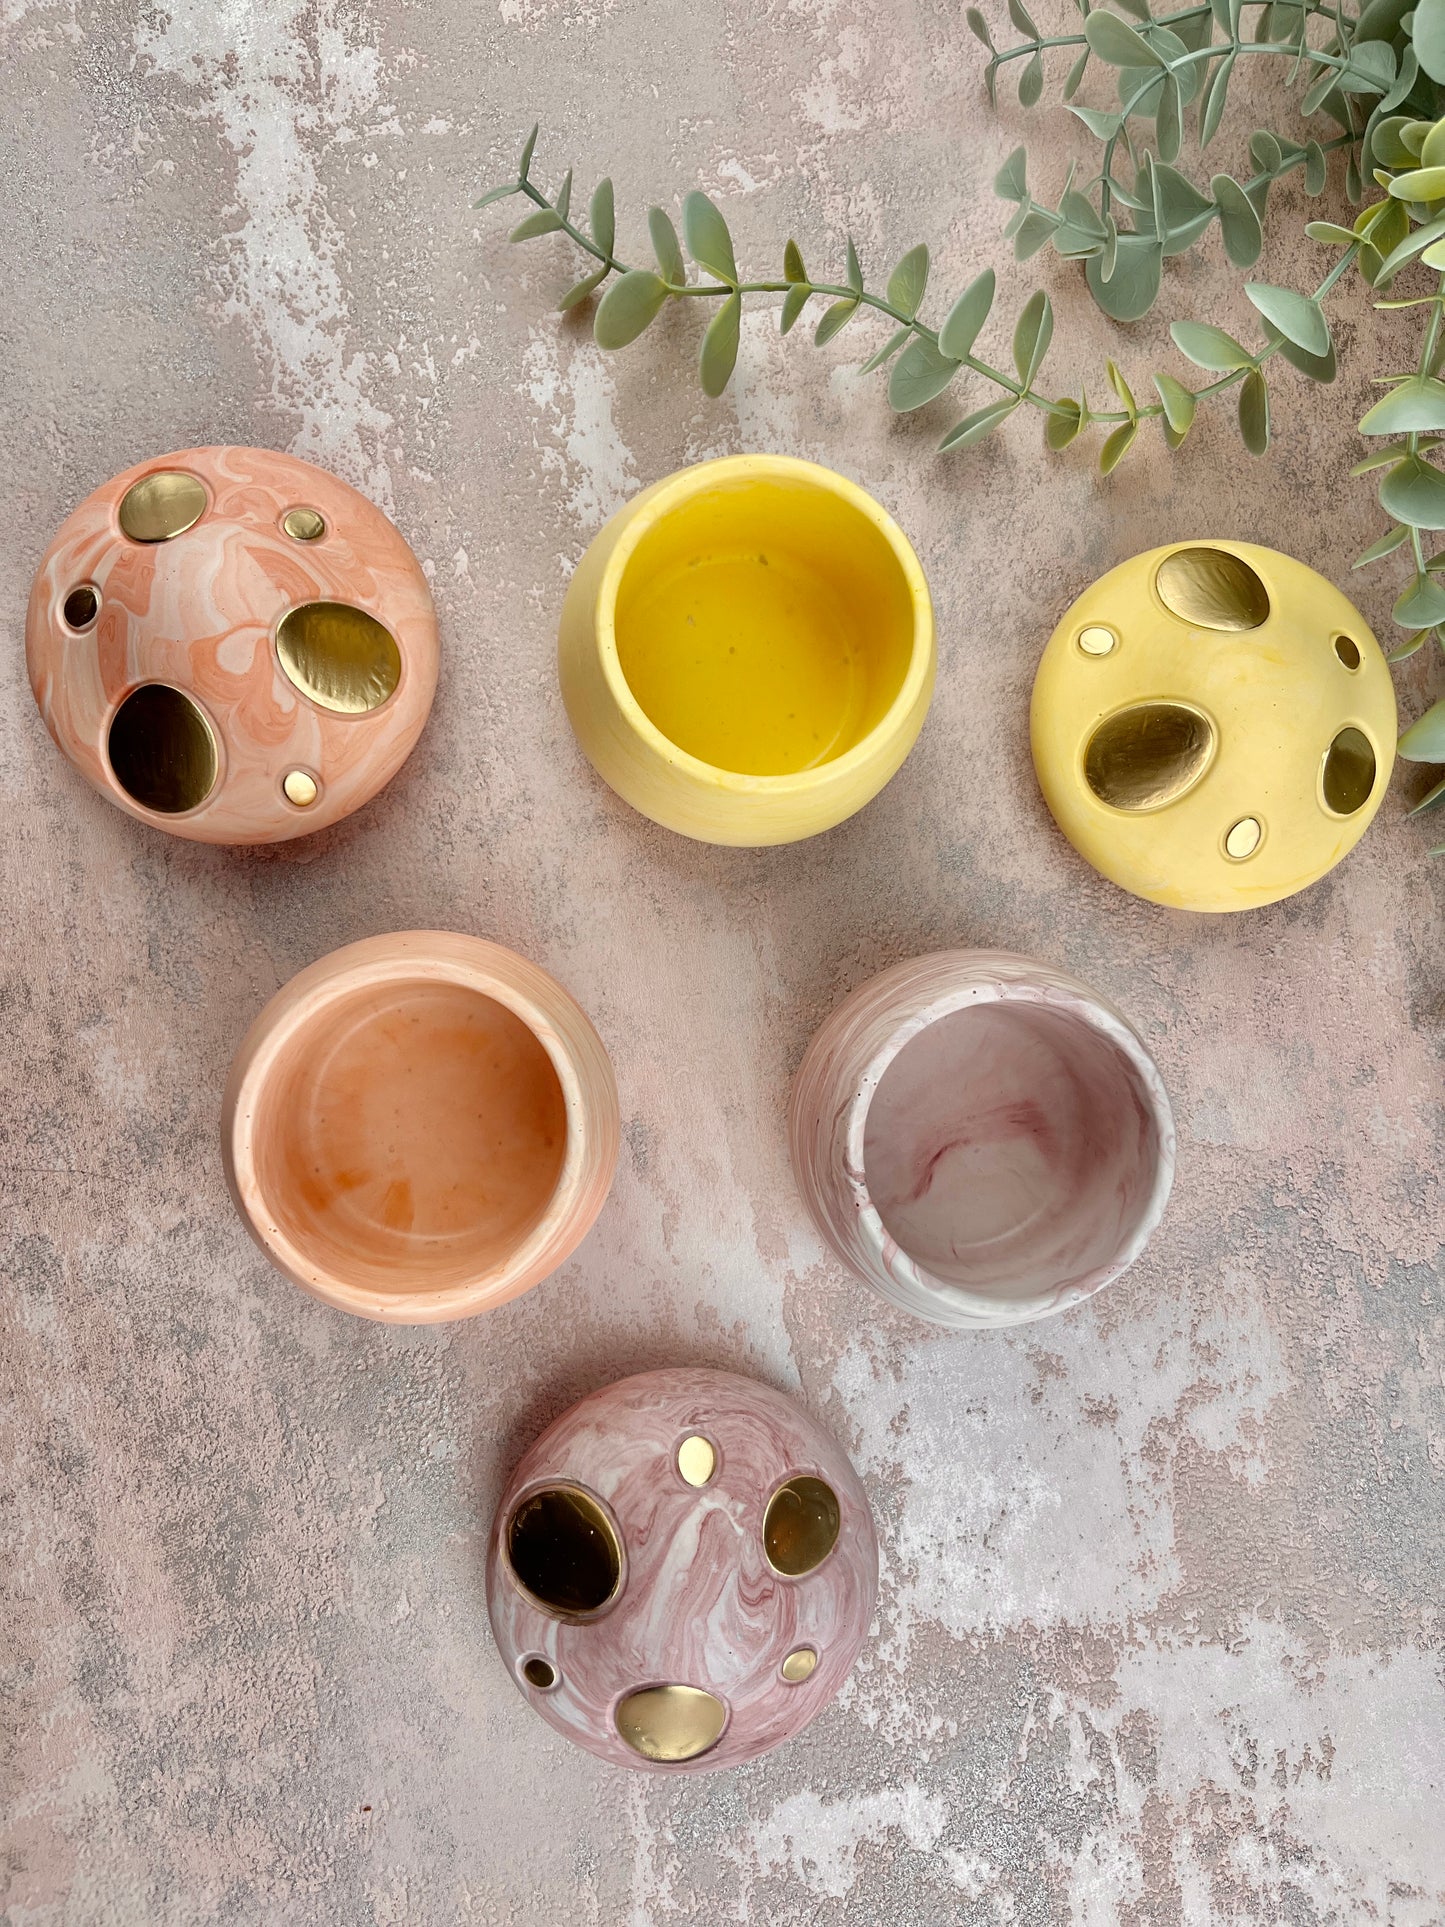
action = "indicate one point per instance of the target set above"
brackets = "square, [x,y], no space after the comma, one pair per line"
[719,290]
[1045,42]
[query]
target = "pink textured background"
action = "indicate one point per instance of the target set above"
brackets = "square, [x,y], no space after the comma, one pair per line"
[1158,1634]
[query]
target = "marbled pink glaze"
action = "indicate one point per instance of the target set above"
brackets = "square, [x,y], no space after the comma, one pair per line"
[699,1605]
[200,612]
[1012,1162]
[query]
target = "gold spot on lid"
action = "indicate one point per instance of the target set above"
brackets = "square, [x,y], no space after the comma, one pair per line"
[303,525]
[799,1664]
[1212,589]
[564,1551]
[339,656]
[161,506]
[1096,640]
[671,1722]
[1148,755]
[800,1526]
[696,1460]
[162,750]
[1243,839]
[300,788]
[1349,772]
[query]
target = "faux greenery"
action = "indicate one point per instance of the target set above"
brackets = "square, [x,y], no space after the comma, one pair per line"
[1371,87]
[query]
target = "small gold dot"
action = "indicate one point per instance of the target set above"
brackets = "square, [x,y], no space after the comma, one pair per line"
[696,1460]
[1243,839]
[161,506]
[304,525]
[799,1664]
[1097,640]
[300,788]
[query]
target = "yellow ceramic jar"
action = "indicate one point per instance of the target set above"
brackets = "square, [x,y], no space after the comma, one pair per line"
[746,650]
[1213,725]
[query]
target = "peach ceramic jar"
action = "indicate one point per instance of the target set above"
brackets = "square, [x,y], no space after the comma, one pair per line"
[981,1138]
[420,1126]
[232,645]
[746,650]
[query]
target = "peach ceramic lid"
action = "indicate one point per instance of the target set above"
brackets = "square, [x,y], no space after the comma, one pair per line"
[420,1126]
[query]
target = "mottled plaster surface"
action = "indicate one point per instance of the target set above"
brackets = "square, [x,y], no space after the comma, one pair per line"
[1159,1632]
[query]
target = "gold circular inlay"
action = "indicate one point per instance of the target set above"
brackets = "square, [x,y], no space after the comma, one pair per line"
[1147,755]
[564,1551]
[800,1527]
[1243,839]
[696,1460]
[1349,772]
[161,506]
[799,1664]
[540,1673]
[1096,640]
[1348,651]
[162,749]
[303,525]
[1212,589]
[80,607]
[671,1722]
[300,788]
[339,656]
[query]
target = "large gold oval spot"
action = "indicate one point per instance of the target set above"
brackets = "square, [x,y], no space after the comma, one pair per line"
[161,506]
[671,1722]
[564,1551]
[1147,755]
[1212,589]
[162,750]
[339,656]
[800,1526]
[1349,772]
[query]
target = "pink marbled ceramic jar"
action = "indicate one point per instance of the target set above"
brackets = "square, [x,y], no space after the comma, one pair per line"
[682,1571]
[981,1138]
[420,1127]
[232,645]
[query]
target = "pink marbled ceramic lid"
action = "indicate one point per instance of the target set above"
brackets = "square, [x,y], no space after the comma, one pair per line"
[697,1599]
[232,645]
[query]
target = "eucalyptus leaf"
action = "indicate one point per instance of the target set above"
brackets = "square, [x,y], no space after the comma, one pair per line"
[544,221]
[890,348]
[1114,41]
[563,198]
[1427,36]
[1424,740]
[1209,347]
[581,289]
[706,234]
[632,301]
[666,246]
[1409,647]
[1265,151]
[794,302]
[1330,234]
[1418,403]
[1384,545]
[1425,184]
[908,281]
[1422,604]
[793,269]
[602,216]
[1033,231]
[1211,106]
[1130,290]
[919,374]
[1179,403]
[854,274]
[1297,318]
[1429,800]
[1031,82]
[1254,412]
[1117,446]
[1060,430]
[1239,224]
[1317,170]
[978,27]
[1103,126]
[834,318]
[983,421]
[1413,491]
[967,316]
[496,194]
[1019,14]
[1032,336]
[524,160]
[1076,75]
[1011,181]
[1121,387]
[1167,128]
[1317,367]
[720,347]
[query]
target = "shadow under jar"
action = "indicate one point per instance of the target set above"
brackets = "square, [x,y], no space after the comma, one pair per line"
[981,1138]
[420,1127]
[746,650]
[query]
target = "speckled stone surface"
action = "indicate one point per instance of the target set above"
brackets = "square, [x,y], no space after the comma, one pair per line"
[1158,1634]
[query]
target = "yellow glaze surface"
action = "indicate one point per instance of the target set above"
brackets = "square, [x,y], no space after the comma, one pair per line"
[1270,699]
[746,650]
